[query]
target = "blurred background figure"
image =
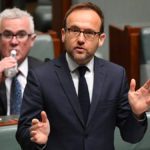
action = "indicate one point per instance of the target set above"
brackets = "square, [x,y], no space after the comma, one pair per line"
[17,34]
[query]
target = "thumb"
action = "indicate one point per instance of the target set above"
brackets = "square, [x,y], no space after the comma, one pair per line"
[132,85]
[44,116]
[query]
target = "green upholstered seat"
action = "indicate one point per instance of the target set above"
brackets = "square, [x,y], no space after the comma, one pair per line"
[43,47]
[145,45]
[144,144]
[7,134]
[7,138]
[144,54]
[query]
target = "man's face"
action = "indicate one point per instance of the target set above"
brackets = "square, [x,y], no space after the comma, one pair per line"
[81,38]
[21,44]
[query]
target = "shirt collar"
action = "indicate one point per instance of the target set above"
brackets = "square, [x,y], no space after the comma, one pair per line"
[23,67]
[73,65]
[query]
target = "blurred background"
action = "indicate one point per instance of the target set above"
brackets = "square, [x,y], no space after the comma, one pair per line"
[127,26]
[122,18]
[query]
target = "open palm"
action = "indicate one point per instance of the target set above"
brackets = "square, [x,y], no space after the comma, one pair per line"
[40,130]
[139,99]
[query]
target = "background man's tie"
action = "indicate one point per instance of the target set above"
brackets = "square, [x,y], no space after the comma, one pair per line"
[16,97]
[83,92]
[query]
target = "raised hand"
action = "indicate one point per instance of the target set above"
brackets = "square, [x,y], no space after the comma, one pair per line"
[5,63]
[40,130]
[139,100]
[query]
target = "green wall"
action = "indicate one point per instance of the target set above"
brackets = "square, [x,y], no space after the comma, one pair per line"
[120,12]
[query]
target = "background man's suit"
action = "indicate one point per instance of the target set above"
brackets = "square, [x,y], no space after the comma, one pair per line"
[32,62]
[51,88]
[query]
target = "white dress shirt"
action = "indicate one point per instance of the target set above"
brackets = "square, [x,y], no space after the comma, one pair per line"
[23,68]
[89,75]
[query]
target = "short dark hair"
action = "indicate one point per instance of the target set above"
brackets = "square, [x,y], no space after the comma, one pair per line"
[86,5]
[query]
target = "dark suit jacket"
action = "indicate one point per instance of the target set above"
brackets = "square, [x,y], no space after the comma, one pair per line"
[50,88]
[33,62]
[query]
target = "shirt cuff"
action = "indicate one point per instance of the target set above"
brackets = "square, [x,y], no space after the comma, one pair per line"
[41,147]
[141,119]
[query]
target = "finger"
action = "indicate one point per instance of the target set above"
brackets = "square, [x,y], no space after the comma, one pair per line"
[35,124]
[132,85]
[34,127]
[148,103]
[147,85]
[35,121]
[12,59]
[33,133]
[44,116]
[33,138]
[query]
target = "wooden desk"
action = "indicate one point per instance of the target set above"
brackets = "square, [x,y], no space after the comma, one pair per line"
[8,120]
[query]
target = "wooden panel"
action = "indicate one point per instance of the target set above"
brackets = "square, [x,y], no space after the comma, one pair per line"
[57,43]
[59,9]
[124,49]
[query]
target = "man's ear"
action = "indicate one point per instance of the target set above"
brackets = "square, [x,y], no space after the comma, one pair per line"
[102,38]
[63,34]
[33,39]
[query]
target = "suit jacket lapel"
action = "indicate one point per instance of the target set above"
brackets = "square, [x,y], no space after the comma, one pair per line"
[99,75]
[63,73]
[33,62]
[3,97]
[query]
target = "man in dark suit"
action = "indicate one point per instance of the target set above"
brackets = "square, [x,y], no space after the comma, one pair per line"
[52,116]
[17,35]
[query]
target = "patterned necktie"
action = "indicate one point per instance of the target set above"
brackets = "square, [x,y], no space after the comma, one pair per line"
[83,93]
[16,97]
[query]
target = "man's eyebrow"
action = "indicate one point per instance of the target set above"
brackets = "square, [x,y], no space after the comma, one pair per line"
[87,29]
[74,26]
[7,30]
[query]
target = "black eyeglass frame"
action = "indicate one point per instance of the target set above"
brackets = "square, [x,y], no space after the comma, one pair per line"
[85,33]
[12,35]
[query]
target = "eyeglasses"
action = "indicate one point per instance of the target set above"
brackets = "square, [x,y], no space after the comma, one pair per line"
[20,36]
[88,34]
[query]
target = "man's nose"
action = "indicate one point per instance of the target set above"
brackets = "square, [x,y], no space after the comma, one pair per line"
[14,39]
[81,36]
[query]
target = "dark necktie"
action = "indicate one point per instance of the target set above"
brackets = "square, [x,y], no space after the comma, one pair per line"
[83,93]
[16,97]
